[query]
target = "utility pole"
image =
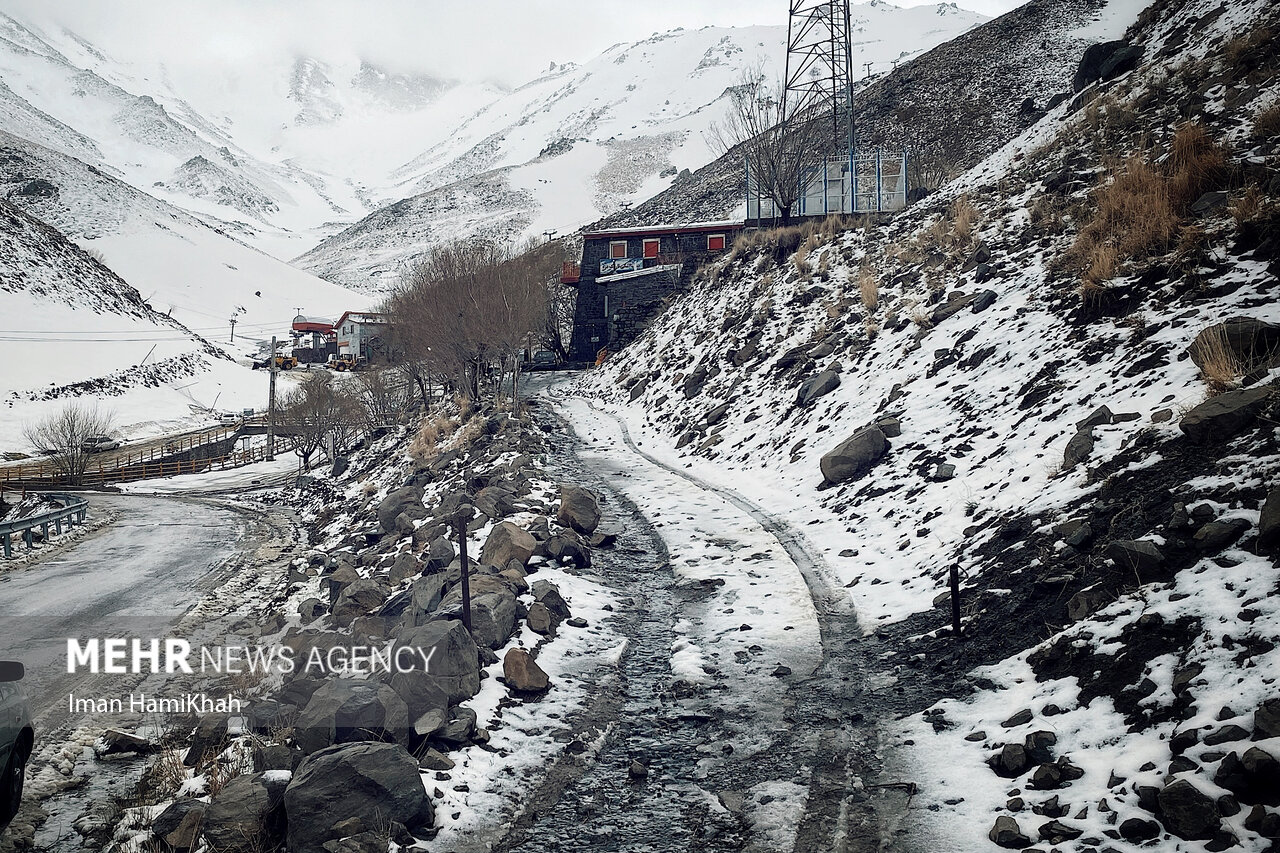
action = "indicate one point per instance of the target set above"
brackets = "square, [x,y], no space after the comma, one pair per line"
[271,405]
[233,330]
[460,520]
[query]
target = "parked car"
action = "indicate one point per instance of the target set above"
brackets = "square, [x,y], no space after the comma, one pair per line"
[543,359]
[228,419]
[17,737]
[99,443]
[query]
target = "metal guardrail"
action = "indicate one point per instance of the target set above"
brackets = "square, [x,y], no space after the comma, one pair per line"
[72,511]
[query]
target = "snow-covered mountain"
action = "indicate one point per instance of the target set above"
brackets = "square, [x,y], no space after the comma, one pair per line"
[273,152]
[584,141]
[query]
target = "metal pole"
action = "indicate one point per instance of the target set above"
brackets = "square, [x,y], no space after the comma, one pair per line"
[464,516]
[271,405]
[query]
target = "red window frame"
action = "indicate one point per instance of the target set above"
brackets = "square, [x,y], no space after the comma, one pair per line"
[617,249]
[652,246]
[715,242]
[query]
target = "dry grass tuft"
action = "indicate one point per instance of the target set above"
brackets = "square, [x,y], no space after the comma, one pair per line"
[425,444]
[1266,124]
[1196,165]
[1139,210]
[868,288]
[1247,207]
[1219,367]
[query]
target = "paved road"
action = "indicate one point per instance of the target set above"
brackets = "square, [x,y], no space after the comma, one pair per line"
[134,578]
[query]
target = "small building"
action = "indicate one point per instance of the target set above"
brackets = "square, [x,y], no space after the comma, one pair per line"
[362,335]
[626,273]
[314,340]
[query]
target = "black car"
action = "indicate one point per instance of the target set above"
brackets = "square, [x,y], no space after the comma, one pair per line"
[17,737]
[543,360]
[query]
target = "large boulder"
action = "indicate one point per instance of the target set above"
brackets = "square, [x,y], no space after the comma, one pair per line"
[451,652]
[1252,343]
[361,597]
[406,500]
[1188,812]
[578,509]
[1135,555]
[344,710]
[246,815]
[178,826]
[1219,418]
[372,783]
[1105,61]
[1006,833]
[816,386]
[493,614]
[522,672]
[567,547]
[425,596]
[423,695]
[855,455]
[507,542]
[1079,448]
[440,553]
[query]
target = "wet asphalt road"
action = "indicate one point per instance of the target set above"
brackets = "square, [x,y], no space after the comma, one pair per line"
[133,578]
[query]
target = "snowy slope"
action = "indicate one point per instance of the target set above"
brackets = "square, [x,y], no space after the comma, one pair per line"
[182,266]
[584,141]
[274,150]
[1109,654]
[74,330]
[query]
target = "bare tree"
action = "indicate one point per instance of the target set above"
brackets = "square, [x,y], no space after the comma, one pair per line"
[779,150]
[62,437]
[383,396]
[314,413]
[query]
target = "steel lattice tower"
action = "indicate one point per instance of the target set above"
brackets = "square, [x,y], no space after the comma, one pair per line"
[819,69]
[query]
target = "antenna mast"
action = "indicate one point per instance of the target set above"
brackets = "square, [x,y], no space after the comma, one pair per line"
[819,69]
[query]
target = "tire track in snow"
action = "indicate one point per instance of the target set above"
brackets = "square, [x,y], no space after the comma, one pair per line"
[838,703]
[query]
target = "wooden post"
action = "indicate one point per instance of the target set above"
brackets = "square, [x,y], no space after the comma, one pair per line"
[271,404]
[461,520]
[955,602]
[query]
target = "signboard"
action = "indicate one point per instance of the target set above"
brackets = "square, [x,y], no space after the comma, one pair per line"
[612,266]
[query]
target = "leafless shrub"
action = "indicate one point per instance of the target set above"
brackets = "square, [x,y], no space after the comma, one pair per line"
[62,436]
[1247,206]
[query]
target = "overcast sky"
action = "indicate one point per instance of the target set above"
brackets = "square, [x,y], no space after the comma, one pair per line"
[505,40]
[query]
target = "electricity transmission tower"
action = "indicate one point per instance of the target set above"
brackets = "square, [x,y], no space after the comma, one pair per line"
[819,70]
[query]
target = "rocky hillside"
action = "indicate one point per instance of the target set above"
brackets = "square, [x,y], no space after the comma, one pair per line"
[951,106]
[1057,375]
[583,141]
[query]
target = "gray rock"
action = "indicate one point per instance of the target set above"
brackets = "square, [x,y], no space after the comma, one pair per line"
[452,653]
[816,386]
[1216,535]
[421,693]
[405,567]
[1079,448]
[1139,829]
[1188,812]
[1135,555]
[507,542]
[1266,719]
[493,614]
[522,672]
[1087,602]
[1011,761]
[361,597]
[1252,342]
[717,413]
[567,547]
[179,824]
[344,710]
[407,501]
[541,620]
[1219,418]
[246,815]
[1101,416]
[374,782]
[210,735]
[1006,833]
[983,301]
[548,594]
[891,427]
[579,509]
[440,553]
[855,455]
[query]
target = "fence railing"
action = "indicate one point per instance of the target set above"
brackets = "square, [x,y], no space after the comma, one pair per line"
[146,469]
[72,511]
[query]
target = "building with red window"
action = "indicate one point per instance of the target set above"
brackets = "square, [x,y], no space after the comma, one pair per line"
[626,273]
